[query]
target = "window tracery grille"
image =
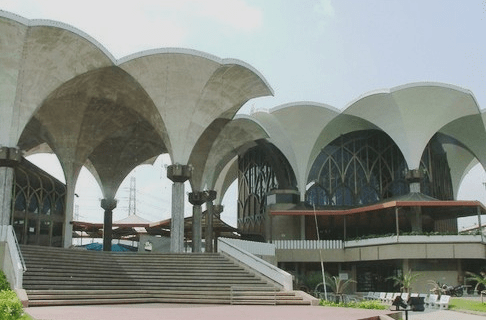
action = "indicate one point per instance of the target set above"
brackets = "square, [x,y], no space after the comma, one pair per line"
[38,206]
[261,169]
[365,167]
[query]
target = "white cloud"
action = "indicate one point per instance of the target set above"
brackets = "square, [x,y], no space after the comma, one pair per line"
[236,14]
[325,9]
[126,27]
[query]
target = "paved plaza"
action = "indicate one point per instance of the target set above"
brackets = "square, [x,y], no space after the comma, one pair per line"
[215,312]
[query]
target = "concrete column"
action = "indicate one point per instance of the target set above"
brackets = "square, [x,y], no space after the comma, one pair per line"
[108,205]
[68,211]
[268,224]
[197,199]
[9,157]
[414,177]
[210,196]
[416,219]
[302,228]
[178,174]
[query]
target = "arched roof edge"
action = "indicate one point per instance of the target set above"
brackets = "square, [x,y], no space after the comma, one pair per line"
[250,118]
[365,95]
[57,24]
[304,103]
[437,84]
[413,85]
[197,53]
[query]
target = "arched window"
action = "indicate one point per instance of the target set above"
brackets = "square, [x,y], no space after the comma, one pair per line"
[33,204]
[357,169]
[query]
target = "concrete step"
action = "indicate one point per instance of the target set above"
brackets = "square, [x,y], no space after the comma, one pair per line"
[57,276]
[38,303]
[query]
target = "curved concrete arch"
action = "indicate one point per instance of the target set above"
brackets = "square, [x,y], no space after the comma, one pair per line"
[191,92]
[228,175]
[460,161]
[338,126]
[469,131]
[237,136]
[193,52]
[404,113]
[57,24]
[130,146]
[49,56]
[296,128]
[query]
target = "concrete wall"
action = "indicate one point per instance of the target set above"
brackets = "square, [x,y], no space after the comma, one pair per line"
[159,244]
[6,263]
[387,252]
[286,227]
[442,276]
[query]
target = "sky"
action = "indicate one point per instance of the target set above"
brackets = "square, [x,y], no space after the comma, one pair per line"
[325,51]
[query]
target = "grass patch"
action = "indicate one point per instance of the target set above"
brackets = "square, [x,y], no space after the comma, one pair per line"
[465,304]
[365,304]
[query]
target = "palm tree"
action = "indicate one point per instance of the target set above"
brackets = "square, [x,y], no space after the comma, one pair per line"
[405,280]
[479,278]
[436,287]
[337,285]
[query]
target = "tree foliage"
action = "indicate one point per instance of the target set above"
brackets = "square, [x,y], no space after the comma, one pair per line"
[405,280]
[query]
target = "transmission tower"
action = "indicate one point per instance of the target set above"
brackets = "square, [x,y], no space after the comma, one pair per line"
[132,199]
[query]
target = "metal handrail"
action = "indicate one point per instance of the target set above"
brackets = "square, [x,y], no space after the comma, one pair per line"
[21,256]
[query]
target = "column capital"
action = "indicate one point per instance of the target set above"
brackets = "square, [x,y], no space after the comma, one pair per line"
[9,156]
[210,195]
[197,198]
[415,175]
[218,208]
[179,173]
[108,204]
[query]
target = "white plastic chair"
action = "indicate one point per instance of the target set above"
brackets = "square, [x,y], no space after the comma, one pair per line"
[432,300]
[388,298]
[395,295]
[443,303]
[405,296]
[370,296]
[382,296]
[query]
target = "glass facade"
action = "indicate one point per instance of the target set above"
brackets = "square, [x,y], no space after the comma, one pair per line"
[38,206]
[261,169]
[365,167]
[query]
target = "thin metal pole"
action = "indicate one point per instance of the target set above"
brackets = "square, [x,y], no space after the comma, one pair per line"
[479,223]
[396,222]
[320,254]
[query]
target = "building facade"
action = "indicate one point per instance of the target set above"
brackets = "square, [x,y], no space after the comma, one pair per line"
[386,167]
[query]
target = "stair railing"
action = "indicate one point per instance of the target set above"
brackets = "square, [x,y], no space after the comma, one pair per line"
[7,234]
[268,270]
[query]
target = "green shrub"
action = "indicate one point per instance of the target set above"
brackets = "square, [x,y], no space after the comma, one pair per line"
[365,304]
[10,305]
[3,282]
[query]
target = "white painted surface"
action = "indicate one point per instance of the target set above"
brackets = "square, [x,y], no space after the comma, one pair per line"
[278,275]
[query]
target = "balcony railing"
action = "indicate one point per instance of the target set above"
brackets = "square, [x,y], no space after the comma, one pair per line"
[339,244]
[415,239]
[309,244]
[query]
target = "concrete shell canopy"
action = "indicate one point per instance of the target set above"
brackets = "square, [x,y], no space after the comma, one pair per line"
[410,114]
[61,87]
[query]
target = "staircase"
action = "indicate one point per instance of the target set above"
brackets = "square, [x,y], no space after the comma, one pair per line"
[57,276]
